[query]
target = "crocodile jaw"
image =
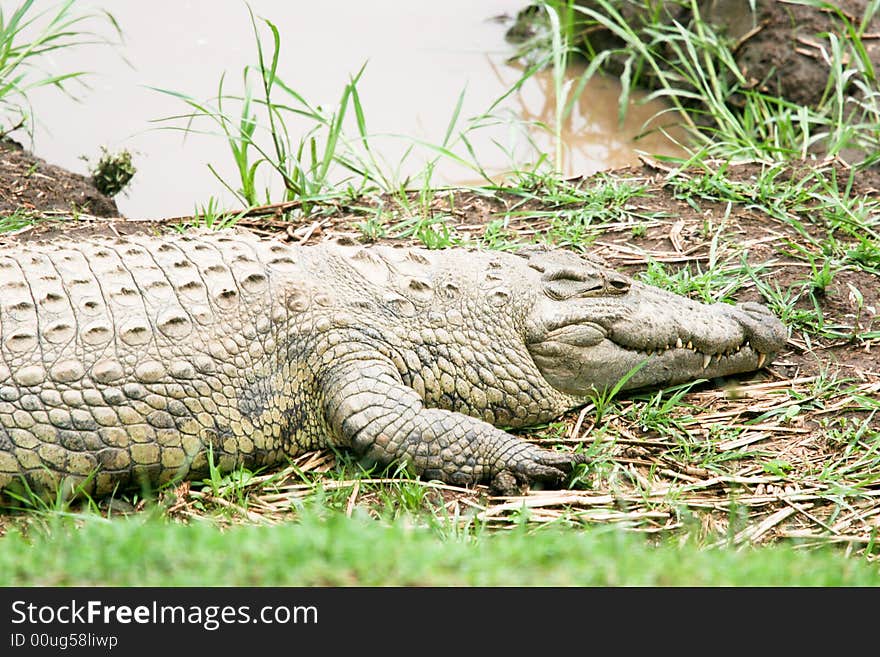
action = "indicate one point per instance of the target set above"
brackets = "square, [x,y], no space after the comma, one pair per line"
[591,344]
[602,366]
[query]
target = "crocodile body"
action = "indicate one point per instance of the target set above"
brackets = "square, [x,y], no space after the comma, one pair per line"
[126,361]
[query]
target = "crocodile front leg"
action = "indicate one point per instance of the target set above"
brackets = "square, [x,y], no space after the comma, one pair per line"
[370,409]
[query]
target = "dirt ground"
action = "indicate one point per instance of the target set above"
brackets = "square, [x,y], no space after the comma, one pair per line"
[29,184]
[781,50]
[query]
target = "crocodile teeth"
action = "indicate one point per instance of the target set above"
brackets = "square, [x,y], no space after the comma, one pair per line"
[762,358]
[690,345]
[718,357]
[678,343]
[706,360]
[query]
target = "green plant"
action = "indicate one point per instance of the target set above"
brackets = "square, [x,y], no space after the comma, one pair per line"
[554,27]
[27,37]
[496,235]
[64,499]
[777,467]
[331,549]
[434,233]
[373,227]
[715,284]
[821,277]
[307,163]
[602,399]
[302,166]
[17,220]
[661,412]
[113,171]
[211,216]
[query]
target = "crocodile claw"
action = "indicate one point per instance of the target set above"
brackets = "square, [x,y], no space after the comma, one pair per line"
[534,465]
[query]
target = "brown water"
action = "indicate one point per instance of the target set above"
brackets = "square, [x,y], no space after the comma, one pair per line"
[420,55]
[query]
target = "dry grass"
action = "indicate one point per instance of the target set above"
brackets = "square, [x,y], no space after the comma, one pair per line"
[646,482]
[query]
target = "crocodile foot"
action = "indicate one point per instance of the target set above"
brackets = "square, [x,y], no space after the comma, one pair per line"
[534,465]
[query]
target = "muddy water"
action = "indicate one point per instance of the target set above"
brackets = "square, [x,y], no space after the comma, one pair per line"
[420,55]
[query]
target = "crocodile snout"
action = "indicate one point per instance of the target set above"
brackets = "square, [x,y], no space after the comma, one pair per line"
[651,336]
[763,330]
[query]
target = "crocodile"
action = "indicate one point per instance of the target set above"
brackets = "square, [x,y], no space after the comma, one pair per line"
[142,360]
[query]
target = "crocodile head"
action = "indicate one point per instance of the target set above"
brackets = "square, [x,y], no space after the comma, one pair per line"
[591,326]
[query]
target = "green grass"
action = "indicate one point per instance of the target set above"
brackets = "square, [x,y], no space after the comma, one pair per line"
[17,220]
[259,139]
[305,164]
[285,148]
[330,549]
[29,37]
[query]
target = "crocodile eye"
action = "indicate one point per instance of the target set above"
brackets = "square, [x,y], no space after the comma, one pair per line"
[555,293]
[567,283]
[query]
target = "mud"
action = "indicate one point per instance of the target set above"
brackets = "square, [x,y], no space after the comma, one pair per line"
[781,48]
[781,52]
